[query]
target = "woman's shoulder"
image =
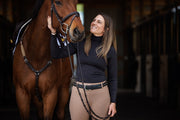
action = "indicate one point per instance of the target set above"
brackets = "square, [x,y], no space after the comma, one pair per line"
[112,50]
[112,54]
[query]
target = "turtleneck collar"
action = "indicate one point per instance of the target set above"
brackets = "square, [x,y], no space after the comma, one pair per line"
[96,38]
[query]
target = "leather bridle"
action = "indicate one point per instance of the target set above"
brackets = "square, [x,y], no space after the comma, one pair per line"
[62,20]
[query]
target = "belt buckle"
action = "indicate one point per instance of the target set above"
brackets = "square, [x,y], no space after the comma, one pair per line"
[85,87]
[102,85]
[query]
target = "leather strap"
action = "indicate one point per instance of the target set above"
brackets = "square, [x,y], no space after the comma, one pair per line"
[90,87]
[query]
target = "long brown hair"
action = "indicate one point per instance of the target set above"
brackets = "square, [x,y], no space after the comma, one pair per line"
[109,39]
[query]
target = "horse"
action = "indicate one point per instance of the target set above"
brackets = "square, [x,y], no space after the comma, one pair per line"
[38,78]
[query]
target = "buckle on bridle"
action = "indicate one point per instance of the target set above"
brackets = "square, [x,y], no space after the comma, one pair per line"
[66,29]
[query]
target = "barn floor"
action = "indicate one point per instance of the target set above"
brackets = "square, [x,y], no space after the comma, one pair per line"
[130,106]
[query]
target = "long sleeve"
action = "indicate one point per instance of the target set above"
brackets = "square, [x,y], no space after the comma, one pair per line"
[112,74]
[61,52]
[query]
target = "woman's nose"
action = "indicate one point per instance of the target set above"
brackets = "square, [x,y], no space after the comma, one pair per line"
[93,23]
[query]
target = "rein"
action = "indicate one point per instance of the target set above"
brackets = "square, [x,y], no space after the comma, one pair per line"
[90,111]
[61,21]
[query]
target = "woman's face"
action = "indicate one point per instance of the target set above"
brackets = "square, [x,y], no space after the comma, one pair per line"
[97,26]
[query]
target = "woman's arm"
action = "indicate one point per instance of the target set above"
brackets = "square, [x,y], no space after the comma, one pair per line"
[112,74]
[56,50]
[112,80]
[61,52]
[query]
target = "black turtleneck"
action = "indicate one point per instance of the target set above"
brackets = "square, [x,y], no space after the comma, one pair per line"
[91,69]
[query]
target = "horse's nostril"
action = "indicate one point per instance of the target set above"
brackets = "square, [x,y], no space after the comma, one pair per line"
[77,35]
[76,32]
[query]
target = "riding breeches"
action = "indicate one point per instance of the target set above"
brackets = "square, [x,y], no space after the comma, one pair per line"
[98,99]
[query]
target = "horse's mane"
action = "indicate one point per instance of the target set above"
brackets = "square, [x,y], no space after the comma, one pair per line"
[37,7]
[35,12]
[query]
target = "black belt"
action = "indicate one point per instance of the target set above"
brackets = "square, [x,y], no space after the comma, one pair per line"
[90,87]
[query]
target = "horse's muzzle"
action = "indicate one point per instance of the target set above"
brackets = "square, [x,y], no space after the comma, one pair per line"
[77,36]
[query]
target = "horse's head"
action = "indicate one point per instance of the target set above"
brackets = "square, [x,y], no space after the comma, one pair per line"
[66,19]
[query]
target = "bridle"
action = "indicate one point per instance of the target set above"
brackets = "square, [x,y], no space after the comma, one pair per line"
[62,20]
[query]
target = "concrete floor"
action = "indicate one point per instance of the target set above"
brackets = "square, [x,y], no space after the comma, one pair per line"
[130,106]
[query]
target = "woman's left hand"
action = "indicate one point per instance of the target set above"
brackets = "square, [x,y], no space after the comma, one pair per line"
[50,25]
[112,109]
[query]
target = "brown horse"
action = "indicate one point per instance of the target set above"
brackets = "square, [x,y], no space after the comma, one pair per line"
[36,76]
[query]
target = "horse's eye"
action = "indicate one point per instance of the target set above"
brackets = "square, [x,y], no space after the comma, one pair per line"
[58,2]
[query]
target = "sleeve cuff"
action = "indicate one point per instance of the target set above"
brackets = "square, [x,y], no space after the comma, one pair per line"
[53,33]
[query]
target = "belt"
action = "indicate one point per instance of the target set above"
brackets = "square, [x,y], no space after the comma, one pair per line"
[90,87]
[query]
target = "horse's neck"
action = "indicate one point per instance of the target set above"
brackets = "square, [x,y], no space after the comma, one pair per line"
[38,43]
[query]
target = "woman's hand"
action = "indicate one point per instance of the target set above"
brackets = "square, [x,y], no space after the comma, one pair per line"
[112,109]
[53,31]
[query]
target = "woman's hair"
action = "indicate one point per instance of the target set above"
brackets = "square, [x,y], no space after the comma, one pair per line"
[109,39]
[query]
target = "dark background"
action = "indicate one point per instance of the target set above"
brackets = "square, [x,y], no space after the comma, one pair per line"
[148,39]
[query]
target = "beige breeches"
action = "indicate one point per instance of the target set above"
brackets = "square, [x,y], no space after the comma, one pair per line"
[99,100]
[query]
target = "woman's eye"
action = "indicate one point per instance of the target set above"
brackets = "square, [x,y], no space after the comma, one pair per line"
[58,3]
[99,22]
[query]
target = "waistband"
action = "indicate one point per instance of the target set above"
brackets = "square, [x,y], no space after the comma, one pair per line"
[90,87]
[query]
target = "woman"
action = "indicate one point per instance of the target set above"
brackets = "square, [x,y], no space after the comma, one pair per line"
[97,56]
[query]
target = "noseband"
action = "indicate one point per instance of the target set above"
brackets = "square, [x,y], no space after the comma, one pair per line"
[62,20]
